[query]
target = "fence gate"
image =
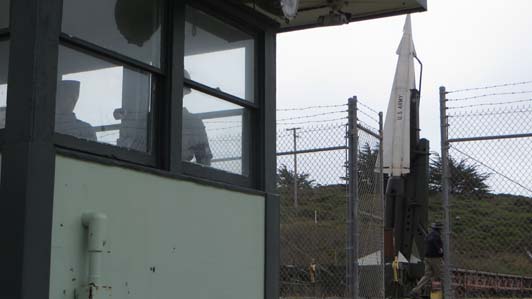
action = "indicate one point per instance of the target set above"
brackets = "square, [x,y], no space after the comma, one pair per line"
[331,204]
[486,181]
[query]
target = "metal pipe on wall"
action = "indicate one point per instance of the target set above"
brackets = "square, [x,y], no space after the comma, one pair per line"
[96,225]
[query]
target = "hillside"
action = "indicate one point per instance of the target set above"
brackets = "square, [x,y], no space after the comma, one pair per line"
[490,233]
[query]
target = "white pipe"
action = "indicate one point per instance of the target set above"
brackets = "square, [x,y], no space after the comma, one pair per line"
[96,224]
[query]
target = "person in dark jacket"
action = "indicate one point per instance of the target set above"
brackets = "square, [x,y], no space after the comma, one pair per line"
[433,259]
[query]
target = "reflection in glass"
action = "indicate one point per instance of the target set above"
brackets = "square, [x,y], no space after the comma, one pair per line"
[213,133]
[219,55]
[103,102]
[130,27]
[4,59]
[4,14]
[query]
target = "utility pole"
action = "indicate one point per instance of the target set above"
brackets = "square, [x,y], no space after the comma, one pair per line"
[294,130]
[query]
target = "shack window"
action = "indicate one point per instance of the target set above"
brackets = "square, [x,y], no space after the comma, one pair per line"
[102,101]
[219,93]
[219,55]
[4,14]
[4,60]
[129,27]
[108,70]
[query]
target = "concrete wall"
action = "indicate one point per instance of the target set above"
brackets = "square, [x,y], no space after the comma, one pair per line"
[166,238]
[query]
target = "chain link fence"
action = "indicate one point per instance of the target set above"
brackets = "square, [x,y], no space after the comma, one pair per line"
[324,250]
[487,191]
[369,210]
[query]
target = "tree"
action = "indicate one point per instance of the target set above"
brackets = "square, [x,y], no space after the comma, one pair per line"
[285,179]
[466,178]
[285,184]
[367,175]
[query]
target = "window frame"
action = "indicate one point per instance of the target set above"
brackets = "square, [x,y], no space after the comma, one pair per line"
[167,102]
[4,36]
[5,30]
[254,108]
[150,158]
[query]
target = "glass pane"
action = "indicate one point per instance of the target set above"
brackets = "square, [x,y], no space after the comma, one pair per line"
[131,27]
[101,101]
[4,14]
[213,133]
[219,55]
[4,59]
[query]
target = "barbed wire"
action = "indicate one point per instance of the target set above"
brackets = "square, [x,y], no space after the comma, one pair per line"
[368,126]
[311,107]
[208,121]
[311,115]
[494,170]
[489,104]
[224,128]
[489,87]
[489,95]
[326,128]
[367,107]
[228,139]
[315,121]
[310,129]
[487,113]
[368,115]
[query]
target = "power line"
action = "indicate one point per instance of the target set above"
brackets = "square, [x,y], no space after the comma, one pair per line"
[489,95]
[492,86]
[311,107]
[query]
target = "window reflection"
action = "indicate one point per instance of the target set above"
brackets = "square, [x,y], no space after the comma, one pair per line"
[4,14]
[130,27]
[4,59]
[213,133]
[219,55]
[103,102]
[66,121]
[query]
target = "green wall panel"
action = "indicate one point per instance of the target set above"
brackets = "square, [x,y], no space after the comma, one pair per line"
[166,238]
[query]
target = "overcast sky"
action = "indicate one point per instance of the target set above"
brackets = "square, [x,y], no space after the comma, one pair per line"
[461,43]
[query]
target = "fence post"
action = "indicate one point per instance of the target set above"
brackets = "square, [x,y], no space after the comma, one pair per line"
[352,203]
[445,194]
[381,196]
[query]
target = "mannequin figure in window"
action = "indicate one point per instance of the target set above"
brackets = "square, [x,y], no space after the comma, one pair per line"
[66,121]
[195,143]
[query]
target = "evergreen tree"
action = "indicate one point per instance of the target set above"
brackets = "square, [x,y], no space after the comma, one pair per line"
[466,178]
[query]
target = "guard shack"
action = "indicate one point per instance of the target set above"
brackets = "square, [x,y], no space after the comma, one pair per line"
[137,142]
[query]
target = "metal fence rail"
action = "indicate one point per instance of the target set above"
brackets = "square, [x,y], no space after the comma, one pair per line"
[487,193]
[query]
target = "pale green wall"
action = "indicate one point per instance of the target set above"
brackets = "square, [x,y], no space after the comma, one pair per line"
[204,242]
